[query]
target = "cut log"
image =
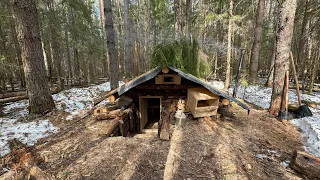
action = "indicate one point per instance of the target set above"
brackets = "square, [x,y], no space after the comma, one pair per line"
[107,129]
[306,164]
[109,115]
[112,98]
[225,102]
[39,174]
[165,70]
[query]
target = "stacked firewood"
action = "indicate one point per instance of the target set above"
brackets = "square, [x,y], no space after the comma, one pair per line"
[120,114]
[168,116]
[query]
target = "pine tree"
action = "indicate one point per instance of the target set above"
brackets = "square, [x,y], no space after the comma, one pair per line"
[26,17]
[111,44]
[282,61]
[255,51]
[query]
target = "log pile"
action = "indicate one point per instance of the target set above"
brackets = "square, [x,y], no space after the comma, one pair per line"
[123,121]
[306,164]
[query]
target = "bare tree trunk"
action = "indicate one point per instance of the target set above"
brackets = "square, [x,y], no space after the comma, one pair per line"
[180,19]
[314,71]
[227,82]
[18,54]
[128,38]
[111,44]
[104,56]
[284,37]
[56,51]
[26,17]
[274,49]
[188,17]
[148,34]
[302,41]
[255,51]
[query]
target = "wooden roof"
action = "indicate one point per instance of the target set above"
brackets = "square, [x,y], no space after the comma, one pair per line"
[153,72]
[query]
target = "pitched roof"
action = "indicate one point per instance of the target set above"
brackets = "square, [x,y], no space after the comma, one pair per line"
[153,72]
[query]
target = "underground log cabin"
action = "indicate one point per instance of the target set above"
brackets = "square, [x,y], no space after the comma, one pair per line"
[156,98]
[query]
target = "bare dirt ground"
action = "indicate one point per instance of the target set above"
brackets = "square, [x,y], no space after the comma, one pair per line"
[235,146]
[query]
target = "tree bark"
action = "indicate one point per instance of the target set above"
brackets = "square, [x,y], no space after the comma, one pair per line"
[180,19]
[104,55]
[227,82]
[255,51]
[302,41]
[56,51]
[127,37]
[148,35]
[282,62]
[26,14]
[18,54]
[188,17]
[314,71]
[109,29]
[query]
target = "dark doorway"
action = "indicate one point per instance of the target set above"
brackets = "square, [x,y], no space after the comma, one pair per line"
[150,112]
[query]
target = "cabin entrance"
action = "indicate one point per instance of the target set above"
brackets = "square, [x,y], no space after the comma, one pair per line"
[150,110]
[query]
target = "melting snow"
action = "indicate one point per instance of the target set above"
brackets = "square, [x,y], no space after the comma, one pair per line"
[261,156]
[74,101]
[309,126]
[27,133]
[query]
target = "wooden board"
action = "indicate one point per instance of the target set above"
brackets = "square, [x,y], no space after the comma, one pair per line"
[201,102]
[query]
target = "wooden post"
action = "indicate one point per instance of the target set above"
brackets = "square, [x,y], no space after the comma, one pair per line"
[295,78]
[284,102]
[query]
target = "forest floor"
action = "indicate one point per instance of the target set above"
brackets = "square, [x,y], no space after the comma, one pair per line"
[234,146]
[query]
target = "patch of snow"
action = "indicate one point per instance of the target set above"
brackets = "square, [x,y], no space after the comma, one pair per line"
[77,101]
[217,84]
[28,133]
[261,156]
[310,130]
[258,95]
[74,101]
[285,163]
[261,96]
[272,151]
[5,169]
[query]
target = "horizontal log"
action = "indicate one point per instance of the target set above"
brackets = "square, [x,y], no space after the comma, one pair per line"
[13,94]
[306,164]
[18,98]
[108,130]
[109,115]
